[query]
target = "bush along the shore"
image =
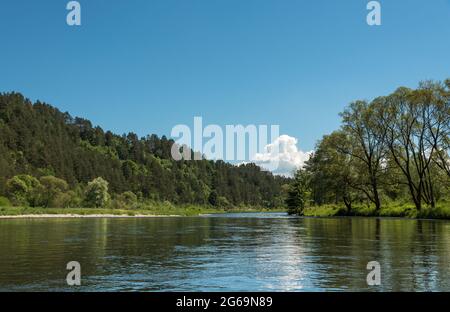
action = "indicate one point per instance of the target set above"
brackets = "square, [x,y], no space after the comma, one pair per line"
[442,211]
[4,202]
[390,157]
[51,195]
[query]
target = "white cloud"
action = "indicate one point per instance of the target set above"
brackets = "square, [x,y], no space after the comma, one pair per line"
[282,157]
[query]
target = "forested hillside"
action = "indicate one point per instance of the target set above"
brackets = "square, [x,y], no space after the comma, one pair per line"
[43,148]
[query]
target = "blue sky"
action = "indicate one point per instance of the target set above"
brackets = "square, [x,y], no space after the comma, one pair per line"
[147,65]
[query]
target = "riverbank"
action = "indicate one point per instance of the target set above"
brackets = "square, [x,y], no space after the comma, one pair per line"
[173,211]
[442,211]
[396,211]
[50,216]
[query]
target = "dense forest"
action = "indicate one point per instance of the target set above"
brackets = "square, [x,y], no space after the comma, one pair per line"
[50,159]
[391,154]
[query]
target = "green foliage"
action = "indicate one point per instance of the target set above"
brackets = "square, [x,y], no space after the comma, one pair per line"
[97,193]
[39,140]
[325,211]
[332,173]
[147,209]
[391,157]
[223,202]
[66,200]
[52,192]
[4,202]
[298,193]
[212,199]
[127,200]
[393,209]
[23,190]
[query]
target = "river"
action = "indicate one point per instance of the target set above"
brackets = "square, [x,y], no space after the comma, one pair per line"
[231,252]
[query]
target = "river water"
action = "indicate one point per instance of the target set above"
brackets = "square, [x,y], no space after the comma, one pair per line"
[231,252]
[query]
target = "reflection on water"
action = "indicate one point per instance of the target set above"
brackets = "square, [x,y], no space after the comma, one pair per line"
[235,252]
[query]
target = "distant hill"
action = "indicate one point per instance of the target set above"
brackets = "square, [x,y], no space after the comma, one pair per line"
[38,139]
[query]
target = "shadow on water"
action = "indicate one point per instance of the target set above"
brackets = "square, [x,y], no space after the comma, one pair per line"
[236,252]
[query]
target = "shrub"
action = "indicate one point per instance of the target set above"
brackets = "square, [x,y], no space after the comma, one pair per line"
[223,202]
[66,200]
[24,190]
[4,202]
[52,191]
[128,200]
[97,193]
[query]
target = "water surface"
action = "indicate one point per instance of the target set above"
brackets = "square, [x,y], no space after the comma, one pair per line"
[233,252]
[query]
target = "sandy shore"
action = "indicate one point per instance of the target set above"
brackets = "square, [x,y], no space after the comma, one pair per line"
[32,216]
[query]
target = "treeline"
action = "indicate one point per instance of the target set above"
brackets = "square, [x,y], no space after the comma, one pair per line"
[47,158]
[394,149]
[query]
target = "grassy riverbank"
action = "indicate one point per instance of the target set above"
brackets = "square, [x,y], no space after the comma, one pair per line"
[162,210]
[442,211]
[393,210]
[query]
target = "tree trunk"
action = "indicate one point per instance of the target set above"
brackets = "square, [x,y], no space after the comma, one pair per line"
[376,196]
[348,204]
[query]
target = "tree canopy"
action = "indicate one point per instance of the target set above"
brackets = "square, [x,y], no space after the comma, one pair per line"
[394,148]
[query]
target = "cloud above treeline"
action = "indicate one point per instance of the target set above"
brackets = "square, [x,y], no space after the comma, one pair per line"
[282,156]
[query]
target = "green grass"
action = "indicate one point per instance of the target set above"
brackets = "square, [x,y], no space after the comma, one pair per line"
[324,211]
[442,211]
[161,209]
